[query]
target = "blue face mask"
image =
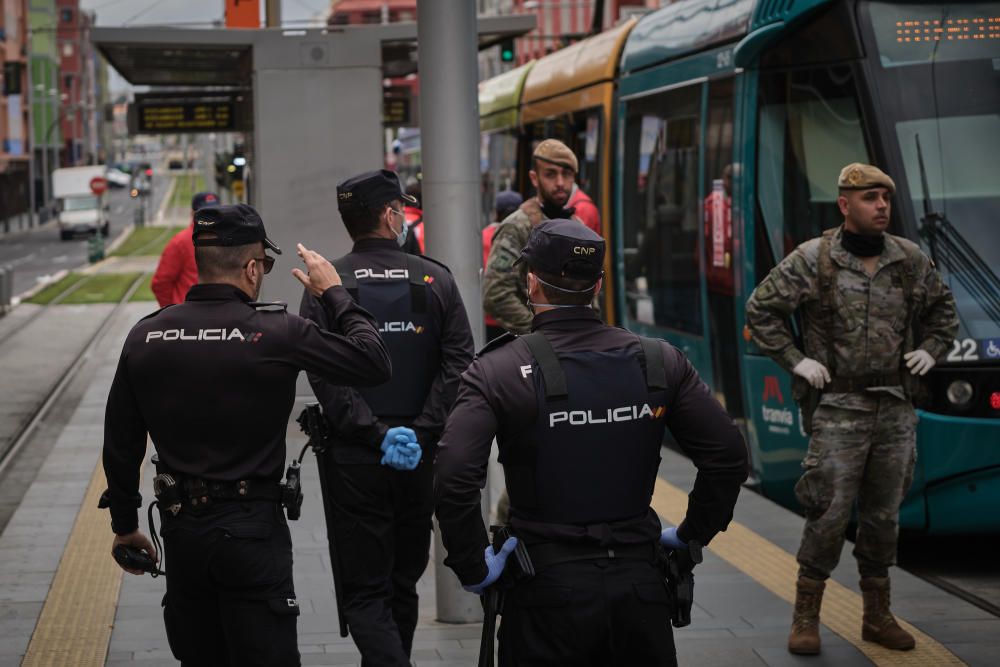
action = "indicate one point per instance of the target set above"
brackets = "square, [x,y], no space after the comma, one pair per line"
[401,236]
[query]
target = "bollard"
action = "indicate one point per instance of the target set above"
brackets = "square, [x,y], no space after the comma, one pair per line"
[95,248]
[140,216]
[6,290]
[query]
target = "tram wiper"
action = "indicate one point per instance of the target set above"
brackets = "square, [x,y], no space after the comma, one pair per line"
[950,249]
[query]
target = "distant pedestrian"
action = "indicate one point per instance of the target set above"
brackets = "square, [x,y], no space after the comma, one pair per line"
[506,203]
[177,273]
[876,317]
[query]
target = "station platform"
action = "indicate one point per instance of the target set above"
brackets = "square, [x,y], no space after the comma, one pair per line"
[64,601]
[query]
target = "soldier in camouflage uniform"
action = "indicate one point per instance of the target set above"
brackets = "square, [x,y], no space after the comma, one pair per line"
[504,296]
[863,296]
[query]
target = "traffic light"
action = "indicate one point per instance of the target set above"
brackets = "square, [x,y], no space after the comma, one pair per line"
[507,51]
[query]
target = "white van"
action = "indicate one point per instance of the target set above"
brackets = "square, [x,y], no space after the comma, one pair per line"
[80,210]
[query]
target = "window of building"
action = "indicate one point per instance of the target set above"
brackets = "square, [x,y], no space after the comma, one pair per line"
[661,210]
[66,15]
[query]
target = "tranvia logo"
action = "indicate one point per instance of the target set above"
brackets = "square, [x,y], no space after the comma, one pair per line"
[428,279]
[625,413]
[387,274]
[772,389]
[224,335]
[400,327]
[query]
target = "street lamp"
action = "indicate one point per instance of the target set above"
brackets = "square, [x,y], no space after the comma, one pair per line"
[45,151]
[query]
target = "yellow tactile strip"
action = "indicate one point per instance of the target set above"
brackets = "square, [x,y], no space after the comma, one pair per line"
[75,624]
[775,569]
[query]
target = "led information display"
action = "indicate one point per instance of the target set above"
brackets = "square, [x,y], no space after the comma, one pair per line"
[912,34]
[186,117]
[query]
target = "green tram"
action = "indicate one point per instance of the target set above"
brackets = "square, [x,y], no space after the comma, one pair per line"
[732,121]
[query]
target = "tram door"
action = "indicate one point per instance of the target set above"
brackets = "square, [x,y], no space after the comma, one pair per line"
[717,244]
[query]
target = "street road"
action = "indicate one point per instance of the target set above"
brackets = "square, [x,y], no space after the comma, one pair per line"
[38,253]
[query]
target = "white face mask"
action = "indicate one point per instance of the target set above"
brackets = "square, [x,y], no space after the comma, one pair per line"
[532,304]
[400,236]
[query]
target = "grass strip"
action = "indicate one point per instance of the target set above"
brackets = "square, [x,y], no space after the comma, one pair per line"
[188,185]
[52,290]
[103,288]
[146,241]
[145,291]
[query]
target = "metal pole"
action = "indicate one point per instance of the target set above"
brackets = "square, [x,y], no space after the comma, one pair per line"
[30,137]
[273,10]
[45,161]
[449,113]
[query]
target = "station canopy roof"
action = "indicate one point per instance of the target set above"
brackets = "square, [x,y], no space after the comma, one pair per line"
[185,57]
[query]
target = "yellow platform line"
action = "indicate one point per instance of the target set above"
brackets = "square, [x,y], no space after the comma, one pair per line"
[79,612]
[776,570]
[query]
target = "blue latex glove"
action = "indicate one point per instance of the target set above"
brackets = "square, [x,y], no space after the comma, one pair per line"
[397,434]
[402,456]
[669,539]
[494,564]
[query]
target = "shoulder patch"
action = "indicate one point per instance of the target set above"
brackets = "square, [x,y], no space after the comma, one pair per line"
[156,312]
[269,306]
[497,343]
[434,261]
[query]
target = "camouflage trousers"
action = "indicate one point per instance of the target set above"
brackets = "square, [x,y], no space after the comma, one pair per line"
[864,454]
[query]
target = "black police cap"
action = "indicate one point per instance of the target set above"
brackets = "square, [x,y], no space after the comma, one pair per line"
[371,189]
[565,248]
[230,226]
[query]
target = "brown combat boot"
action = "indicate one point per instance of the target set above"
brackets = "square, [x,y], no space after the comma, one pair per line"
[878,625]
[804,639]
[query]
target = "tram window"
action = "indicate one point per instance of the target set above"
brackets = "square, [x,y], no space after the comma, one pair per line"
[582,132]
[498,160]
[809,128]
[717,223]
[661,205]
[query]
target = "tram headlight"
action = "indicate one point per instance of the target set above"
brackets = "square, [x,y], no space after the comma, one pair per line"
[959,393]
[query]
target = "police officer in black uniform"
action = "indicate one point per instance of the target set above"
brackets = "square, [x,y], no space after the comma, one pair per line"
[381,514]
[212,381]
[579,411]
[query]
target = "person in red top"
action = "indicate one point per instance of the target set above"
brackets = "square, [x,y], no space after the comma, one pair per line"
[176,273]
[585,209]
[719,235]
[507,202]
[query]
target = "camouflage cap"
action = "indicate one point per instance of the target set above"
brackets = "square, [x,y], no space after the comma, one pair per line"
[558,153]
[858,176]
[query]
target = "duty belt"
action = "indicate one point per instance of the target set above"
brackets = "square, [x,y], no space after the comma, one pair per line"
[858,383]
[555,553]
[175,492]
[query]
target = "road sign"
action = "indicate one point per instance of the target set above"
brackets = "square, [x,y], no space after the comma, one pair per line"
[98,184]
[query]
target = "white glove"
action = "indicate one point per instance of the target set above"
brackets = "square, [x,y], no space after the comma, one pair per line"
[814,372]
[919,362]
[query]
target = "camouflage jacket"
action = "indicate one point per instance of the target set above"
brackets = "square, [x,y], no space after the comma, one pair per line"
[869,327]
[504,293]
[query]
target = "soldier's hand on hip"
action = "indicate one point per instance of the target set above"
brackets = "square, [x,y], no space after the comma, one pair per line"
[814,372]
[137,540]
[319,275]
[919,362]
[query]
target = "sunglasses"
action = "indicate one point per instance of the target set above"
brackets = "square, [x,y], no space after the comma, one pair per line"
[266,261]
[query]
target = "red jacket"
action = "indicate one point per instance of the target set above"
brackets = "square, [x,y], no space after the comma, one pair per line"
[488,233]
[177,271]
[586,210]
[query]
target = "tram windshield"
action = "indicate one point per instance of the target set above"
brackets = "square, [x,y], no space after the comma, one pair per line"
[939,78]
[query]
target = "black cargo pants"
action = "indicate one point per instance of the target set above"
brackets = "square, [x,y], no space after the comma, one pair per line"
[382,521]
[230,596]
[598,613]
